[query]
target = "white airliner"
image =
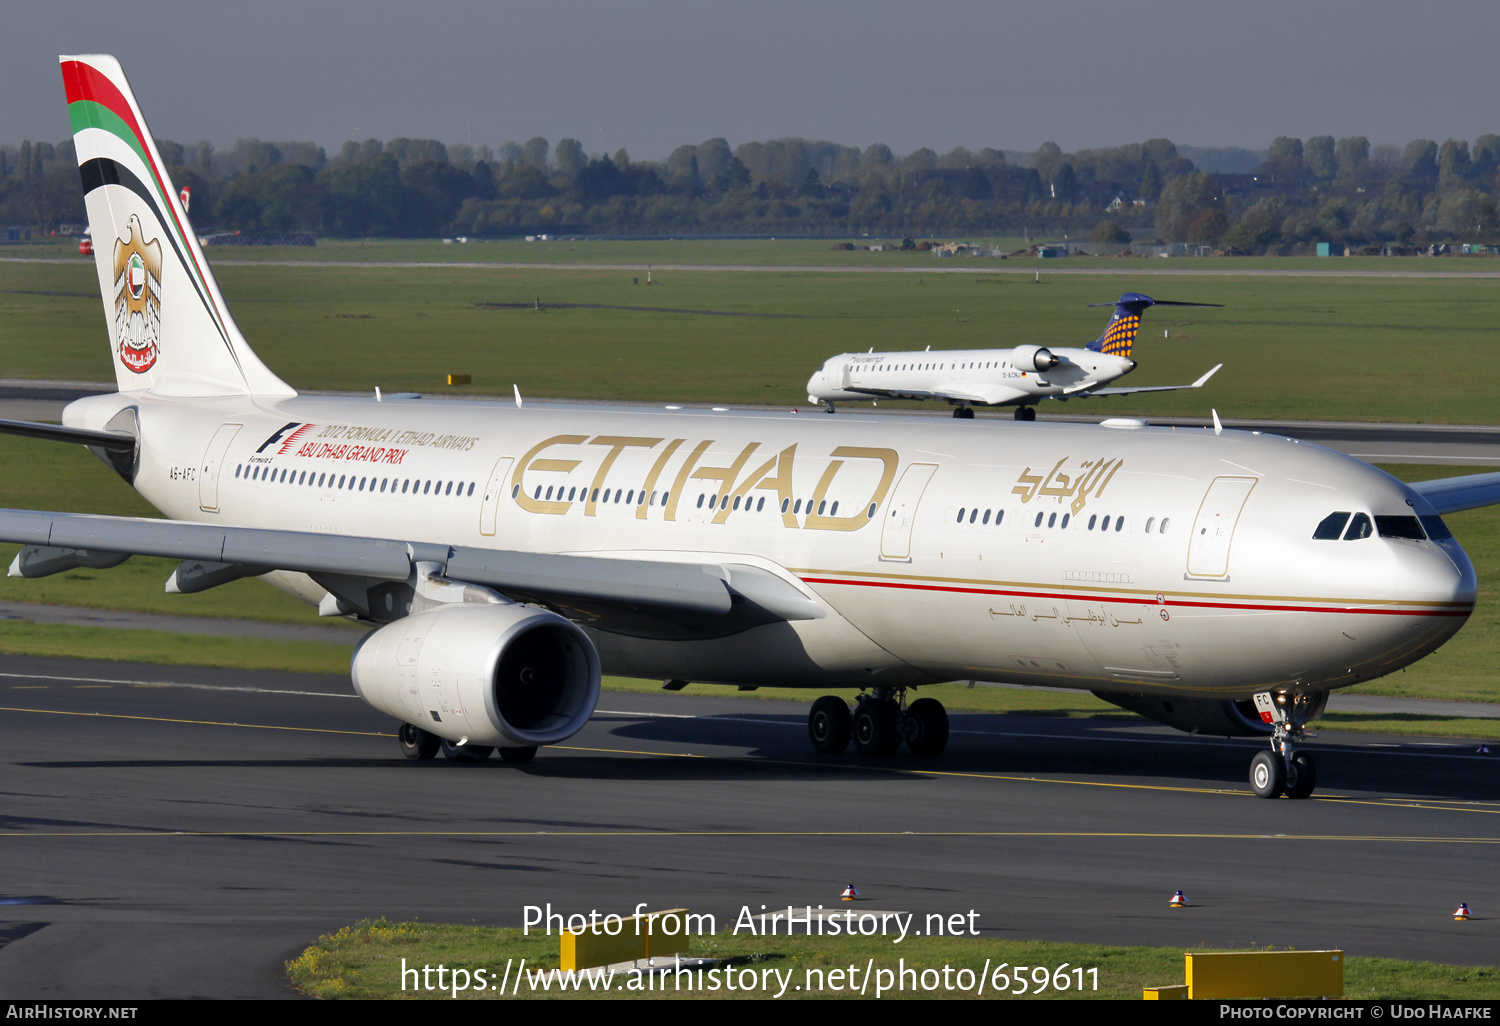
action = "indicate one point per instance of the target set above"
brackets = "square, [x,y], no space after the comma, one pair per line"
[1021,376]
[506,555]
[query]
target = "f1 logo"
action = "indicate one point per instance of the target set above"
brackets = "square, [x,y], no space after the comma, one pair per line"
[277,436]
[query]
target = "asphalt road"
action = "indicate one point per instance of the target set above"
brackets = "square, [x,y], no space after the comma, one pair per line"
[174,832]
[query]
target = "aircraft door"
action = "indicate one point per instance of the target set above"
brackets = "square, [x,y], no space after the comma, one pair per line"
[901,514]
[493,493]
[1213,530]
[208,475]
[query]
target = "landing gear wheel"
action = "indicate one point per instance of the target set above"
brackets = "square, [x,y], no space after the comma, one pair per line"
[1025,413]
[517,754]
[877,727]
[417,743]
[964,412]
[465,753]
[926,727]
[1302,776]
[829,725]
[1267,775]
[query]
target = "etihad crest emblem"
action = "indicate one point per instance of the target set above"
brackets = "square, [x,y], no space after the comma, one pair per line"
[138,298]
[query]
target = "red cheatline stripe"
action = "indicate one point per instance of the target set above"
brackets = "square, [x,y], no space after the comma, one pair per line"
[1173,604]
[85,82]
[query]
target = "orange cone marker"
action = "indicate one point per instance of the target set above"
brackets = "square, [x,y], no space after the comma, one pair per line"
[1461,913]
[1179,900]
[850,894]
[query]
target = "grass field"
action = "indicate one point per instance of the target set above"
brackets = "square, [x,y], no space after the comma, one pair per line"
[365,961]
[1300,348]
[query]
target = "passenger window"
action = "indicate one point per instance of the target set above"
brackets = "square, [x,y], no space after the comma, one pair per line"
[784,504]
[834,510]
[1066,518]
[238,469]
[1093,520]
[700,502]
[986,517]
[736,503]
[822,504]
[1150,523]
[1400,527]
[1163,528]
[961,512]
[1331,527]
[320,480]
[1119,523]
[516,490]
[974,515]
[761,504]
[871,514]
[549,492]
[570,493]
[999,516]
[1038,520]
[1052,520]
[1359,528]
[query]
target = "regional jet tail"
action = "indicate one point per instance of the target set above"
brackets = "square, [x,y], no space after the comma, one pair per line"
[1019,377]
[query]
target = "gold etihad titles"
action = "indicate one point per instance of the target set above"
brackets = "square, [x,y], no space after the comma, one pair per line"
[1089,480]
[748,469]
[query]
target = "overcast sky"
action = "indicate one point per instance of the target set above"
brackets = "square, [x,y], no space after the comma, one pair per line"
[649,75]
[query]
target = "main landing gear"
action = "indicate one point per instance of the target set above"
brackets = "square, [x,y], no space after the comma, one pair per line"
[1026,413]
[1283,771]
[881,721]
[964,412]
[417,743]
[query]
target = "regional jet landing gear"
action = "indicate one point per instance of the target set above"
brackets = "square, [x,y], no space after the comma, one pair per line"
[1026,413]
[417,743]
[828,403]
[1282,771]
[964,412]
[880,722]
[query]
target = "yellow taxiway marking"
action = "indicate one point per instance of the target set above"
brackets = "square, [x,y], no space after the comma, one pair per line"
[200,723]
[1070,834]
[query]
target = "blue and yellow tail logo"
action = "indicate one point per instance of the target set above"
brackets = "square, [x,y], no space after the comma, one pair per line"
[1125,325]
[1121,335]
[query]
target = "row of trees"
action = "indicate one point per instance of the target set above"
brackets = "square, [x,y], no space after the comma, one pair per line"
[1324,189]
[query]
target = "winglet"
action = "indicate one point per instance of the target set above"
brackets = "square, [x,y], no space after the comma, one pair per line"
[1218,428]
[518,395]
[1204,380]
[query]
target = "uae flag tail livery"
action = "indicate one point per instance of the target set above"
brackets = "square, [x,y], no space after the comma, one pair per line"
[169,329]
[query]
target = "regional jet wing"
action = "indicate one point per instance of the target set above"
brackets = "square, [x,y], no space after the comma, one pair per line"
[1148,388]
[372,576]
[1452,494]
[985,395]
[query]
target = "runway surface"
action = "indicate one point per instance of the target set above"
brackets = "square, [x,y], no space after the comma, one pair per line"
[172,832]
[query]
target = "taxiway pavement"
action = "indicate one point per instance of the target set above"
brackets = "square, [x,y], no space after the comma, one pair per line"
[181,832]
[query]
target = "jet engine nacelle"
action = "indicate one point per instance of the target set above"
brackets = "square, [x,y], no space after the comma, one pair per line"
[1033,358]
[1195,715]
[491,675]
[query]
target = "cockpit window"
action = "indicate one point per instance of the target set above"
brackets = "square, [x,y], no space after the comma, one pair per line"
[1400,527]
[1436,529]
[1331,527]
[1359,528]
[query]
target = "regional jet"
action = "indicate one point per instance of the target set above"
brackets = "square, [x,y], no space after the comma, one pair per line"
[504,556]
[1021,376]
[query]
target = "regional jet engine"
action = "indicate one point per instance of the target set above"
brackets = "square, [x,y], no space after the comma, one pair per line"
[490,675]
[1033,358]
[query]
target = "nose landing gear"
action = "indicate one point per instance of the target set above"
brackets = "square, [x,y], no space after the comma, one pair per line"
[1283,771]
[880,723]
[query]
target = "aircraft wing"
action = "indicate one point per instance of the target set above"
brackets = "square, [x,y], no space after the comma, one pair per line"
[1452,494]
[984,395]
[1150,388]
[645,598]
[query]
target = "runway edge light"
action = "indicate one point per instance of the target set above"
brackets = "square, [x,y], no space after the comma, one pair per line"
[1179,900]
[850,894]
[1461,913]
